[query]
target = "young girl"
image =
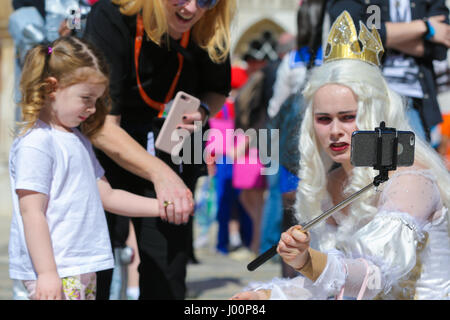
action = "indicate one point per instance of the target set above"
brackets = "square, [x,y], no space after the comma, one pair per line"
[59,236]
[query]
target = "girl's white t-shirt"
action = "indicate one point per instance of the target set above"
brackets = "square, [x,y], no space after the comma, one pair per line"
[63,166]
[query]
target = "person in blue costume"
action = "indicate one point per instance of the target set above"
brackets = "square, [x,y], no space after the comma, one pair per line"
[285,112]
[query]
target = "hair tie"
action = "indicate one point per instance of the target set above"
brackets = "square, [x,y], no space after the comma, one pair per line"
[50,50]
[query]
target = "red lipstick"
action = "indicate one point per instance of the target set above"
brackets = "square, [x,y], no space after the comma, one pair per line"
[341,146]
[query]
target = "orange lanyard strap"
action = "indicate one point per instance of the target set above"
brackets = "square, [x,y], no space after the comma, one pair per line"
[137,50]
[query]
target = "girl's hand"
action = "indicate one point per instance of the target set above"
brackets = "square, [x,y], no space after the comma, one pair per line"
[293,247]
[252,295]
[48,287]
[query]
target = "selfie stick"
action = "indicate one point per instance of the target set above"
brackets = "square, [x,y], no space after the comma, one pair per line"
[382,177]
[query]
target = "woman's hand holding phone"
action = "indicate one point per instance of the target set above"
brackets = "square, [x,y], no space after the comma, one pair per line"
[189,120]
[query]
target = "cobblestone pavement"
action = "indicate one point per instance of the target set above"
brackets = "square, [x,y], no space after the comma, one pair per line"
[219,277]
[215,277]
[5,282]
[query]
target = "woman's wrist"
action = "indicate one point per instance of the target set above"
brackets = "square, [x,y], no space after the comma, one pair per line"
[306,259]
[314,265]
[158,171]
[205,112]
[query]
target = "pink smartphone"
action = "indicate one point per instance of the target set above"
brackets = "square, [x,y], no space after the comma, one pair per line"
[168,140]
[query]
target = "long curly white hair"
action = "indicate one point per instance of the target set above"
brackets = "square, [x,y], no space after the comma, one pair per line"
[376,103]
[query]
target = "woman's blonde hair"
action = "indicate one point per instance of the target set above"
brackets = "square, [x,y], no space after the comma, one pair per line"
[69,60]
[376,103]
[211,32]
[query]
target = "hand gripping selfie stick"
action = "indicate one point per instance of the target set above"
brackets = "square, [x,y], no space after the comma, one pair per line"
[382,177]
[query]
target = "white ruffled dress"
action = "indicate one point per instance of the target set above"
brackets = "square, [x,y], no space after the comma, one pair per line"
[402,253]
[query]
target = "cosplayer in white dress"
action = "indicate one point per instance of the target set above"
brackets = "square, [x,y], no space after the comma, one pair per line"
[393,242]
[406,246]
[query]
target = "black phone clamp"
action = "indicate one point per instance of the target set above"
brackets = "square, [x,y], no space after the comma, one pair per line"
[380,178]
[384,169]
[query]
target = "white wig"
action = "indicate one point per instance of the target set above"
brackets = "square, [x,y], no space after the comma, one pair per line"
[376,103]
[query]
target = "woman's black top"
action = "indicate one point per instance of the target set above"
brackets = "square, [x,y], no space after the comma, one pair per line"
[114,34]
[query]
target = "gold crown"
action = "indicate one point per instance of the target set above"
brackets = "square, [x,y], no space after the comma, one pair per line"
[343,42]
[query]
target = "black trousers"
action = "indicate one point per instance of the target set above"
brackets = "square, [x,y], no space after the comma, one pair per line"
[164,251]
[118,227]
[164,248]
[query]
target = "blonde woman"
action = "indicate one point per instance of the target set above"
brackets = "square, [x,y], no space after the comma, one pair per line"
[155,49]
[392,243]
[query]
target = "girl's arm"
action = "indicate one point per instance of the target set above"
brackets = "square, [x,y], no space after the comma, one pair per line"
[126,203]
[130,155]
[33,206]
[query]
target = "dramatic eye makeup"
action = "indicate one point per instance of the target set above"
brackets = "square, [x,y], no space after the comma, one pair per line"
[345,116]
[322,118]
[349,117]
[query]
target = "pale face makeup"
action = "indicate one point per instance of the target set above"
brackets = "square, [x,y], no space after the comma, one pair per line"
[334,113]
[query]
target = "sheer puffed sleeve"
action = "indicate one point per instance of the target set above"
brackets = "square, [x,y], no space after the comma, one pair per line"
[412,192]
[385,251]
[381,254]
[283,289]
[301,288]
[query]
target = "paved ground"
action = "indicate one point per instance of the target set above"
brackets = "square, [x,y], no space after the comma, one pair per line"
[216,277]
[219,277]
[5,212]
[5,282]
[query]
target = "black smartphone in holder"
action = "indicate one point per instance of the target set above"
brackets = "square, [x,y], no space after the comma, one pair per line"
[383,149]
[365,142]
[392,149]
